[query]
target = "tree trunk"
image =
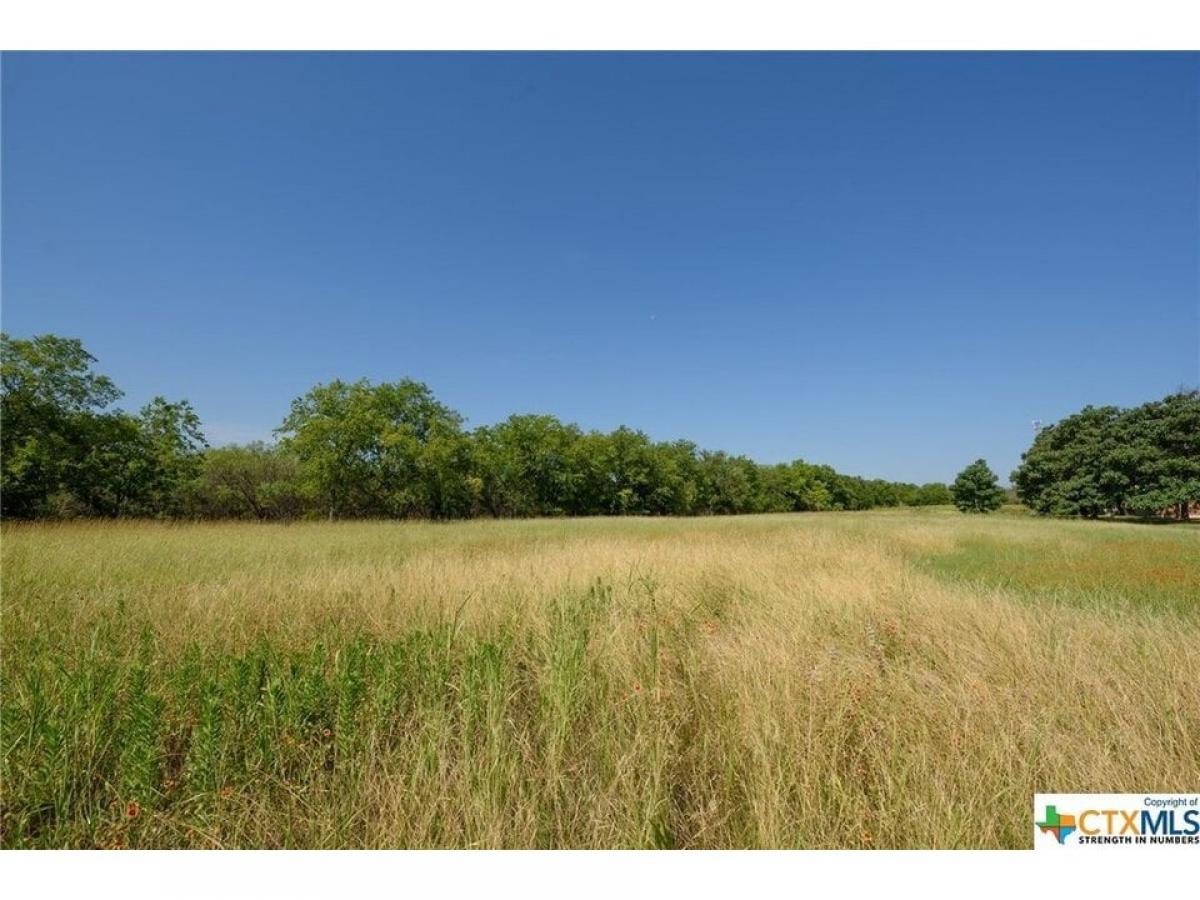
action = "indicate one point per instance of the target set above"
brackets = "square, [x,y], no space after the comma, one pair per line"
[1184,512]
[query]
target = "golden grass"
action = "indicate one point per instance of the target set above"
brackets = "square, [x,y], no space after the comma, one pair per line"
[770,681]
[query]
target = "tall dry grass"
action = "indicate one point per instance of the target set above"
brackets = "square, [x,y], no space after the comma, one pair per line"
[817,680]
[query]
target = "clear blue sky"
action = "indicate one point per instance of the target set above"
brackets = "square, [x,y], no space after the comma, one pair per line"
[889,263]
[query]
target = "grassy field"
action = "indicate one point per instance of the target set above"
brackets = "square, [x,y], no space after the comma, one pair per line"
[890,679]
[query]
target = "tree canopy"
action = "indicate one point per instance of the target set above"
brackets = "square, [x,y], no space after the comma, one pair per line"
[363,449]
[63,452]
[383,450]
[1104,460]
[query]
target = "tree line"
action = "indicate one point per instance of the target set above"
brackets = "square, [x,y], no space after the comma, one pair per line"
[359,450]
[1104,460]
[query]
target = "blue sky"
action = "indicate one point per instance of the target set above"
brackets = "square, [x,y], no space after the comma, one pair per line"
[889,263]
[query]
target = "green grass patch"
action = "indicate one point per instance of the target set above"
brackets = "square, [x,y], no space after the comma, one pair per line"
[1125,567]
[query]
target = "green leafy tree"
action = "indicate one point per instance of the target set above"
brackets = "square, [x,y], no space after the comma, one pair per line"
[933,494]
[1074,467]
[250,481]
[728,484]
[64,453]
[976,489]
[172,446]
[849,491]
[49,396]
[1105,460]
[674,489]
[1158,452]
[379,450]
[392,450]
[111,473]
[592,487]
[791,487]
[524,466]
[808,491]
[631,471]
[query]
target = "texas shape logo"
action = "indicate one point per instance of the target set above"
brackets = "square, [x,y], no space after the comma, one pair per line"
[1058,824]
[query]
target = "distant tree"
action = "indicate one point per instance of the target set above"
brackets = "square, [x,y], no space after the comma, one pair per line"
[791,487]
[728,484]
[1105,460]
[850,492]
[250,481]
[1158,453]
[380,450]
[976,489]
[776,488]
[358,449]
[172,445]
[592,490]
[808,491]
[110,471]
[142,465]
[50,404]
[631,471]
[63,453]
[933,494]
[524,466]
[1073,467]
[675,479]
